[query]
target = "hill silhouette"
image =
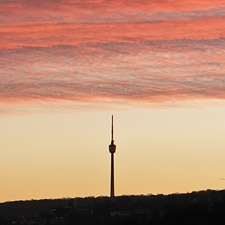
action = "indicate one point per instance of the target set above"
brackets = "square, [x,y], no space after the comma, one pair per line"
[203,207]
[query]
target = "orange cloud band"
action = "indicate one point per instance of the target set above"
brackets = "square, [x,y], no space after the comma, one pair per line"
[149,52]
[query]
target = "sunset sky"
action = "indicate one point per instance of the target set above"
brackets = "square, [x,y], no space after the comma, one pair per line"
[67,65]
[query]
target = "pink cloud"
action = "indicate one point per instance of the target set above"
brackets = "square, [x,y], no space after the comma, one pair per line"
[119,51]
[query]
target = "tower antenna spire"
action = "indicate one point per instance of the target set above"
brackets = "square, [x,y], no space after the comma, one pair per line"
[112,128]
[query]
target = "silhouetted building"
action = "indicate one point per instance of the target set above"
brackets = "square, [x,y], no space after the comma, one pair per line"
[112,150]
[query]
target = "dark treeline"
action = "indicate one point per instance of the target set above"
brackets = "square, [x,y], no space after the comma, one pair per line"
[203,207]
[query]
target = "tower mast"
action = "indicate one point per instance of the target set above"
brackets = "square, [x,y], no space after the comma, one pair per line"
[112,150]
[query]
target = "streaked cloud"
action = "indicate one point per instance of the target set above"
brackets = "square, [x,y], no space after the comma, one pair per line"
[94,53]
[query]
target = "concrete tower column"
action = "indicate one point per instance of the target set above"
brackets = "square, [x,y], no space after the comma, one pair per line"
[112,176]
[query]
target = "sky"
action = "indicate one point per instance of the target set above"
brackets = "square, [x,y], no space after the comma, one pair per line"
[67,65]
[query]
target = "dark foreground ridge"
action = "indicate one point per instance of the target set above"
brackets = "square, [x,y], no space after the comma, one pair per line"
[203,207]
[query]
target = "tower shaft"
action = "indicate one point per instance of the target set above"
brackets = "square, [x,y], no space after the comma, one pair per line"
[112,176]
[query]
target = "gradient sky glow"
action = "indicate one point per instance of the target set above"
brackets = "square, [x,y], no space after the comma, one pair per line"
[67,65]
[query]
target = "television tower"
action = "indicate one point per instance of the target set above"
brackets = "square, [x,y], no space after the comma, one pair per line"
[112,150]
